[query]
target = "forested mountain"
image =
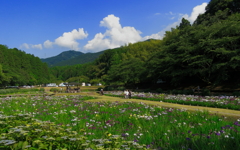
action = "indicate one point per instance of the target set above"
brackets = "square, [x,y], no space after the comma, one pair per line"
[206,52]
[102,69]
[218,10]
[80,59]
[19,68]
[52,61]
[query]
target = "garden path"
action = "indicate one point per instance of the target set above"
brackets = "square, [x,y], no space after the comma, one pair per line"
[231,114]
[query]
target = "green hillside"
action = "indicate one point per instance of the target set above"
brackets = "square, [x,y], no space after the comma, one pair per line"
[205,53]
[51,61]
[102,69]
[18,68]
[80,59]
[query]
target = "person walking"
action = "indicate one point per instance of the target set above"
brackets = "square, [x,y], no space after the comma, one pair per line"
[126,93]
[129,94]
[101,91]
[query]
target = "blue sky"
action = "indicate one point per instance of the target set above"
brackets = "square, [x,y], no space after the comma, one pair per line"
[46,28]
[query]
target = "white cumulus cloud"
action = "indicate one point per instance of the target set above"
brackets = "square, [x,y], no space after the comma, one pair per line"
[25,45]
[37,46]
[48,44]
[68,39]
[114,36]
[200,9]
[29,46]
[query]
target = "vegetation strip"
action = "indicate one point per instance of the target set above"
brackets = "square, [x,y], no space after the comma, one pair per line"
[71,122]
[227,102]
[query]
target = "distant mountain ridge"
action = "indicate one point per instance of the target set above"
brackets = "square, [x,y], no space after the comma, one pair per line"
[71,57]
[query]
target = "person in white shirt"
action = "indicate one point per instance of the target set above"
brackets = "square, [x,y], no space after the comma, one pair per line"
[126,93]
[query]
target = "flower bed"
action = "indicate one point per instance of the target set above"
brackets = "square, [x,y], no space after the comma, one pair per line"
[70,123]
[227,102]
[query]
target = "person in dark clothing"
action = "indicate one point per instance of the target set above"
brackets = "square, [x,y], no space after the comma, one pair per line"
[129,94]
[101,91]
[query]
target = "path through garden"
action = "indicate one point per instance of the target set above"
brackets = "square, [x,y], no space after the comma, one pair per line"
[230,114]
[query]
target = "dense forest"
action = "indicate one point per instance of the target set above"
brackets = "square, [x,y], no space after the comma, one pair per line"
[206,52]
[18,68]
[102,69]
[81,59]
[64,56]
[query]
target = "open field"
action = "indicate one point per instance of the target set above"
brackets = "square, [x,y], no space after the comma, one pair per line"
[226,112]
[82,88]
[111,121]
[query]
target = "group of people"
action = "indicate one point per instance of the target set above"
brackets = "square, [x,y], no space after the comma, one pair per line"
[127,94]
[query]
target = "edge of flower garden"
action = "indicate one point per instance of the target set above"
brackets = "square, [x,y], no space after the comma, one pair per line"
[230,114]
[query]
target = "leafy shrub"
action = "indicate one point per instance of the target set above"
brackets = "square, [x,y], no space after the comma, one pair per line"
[159,90]
[55,90]
[121,88]
[205,92]
[188,92]
[109,88]
[147,90]
[99,89]
[177,92]
[236,93]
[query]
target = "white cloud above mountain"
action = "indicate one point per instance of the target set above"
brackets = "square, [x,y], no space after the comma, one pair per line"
[200,9]
[31,46]
[37,46]
[68,39]
[48,44]
[114,36]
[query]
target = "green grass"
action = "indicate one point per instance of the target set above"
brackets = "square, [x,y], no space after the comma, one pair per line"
[155,127]
[225,102]
[21,91]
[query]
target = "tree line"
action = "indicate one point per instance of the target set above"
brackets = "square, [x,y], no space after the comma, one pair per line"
[18,68]
[205,52]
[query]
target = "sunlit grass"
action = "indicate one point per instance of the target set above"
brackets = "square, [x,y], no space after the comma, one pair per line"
[227,102]
[156,127]
[14,91]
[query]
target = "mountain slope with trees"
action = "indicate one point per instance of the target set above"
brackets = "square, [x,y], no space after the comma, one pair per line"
[51,61]
[102,69]
[18,68]
[80,59]
[205,53]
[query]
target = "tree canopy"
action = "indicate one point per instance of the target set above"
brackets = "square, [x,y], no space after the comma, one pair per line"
[19,68]
[205,52]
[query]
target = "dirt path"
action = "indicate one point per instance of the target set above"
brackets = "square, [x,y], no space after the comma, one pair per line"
[231,114]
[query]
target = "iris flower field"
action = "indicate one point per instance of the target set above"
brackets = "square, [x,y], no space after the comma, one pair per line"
[229,102]
[71,122]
